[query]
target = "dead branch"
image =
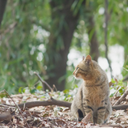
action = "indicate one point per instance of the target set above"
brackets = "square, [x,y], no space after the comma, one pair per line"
[43,82]
[13,101]
[120,107]
[54,87]
[122,97]
[45,103]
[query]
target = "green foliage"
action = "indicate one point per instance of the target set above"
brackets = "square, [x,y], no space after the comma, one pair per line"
[20,58]
[25,34]
[118,87]
[3,94]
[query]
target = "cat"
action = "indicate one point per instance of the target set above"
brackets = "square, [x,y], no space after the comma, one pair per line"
[93,95]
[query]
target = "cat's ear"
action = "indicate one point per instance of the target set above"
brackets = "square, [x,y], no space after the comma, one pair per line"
[88,59]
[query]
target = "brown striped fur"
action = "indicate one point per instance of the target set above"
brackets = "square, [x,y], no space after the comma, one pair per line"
[93,94]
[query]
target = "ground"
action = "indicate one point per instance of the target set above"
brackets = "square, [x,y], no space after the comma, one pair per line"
[51,116]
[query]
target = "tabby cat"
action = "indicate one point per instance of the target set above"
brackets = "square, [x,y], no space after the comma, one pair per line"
[93,95]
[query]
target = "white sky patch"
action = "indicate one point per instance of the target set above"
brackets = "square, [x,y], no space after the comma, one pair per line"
[101,11]
[74,57]
[127,9]
[104,65]
[85,37]
[116,56]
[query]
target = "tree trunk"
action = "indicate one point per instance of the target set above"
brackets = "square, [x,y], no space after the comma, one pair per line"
[94,45]
[2,9]
[64,23]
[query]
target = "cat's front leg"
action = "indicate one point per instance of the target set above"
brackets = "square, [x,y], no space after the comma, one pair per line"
[88,109]
[108,112]
[101,115]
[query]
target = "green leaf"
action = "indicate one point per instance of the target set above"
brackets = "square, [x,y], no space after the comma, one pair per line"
[39,87]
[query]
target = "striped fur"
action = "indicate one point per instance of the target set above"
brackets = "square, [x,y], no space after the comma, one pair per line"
[93,94]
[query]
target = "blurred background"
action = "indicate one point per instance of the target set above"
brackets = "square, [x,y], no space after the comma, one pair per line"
[51,36]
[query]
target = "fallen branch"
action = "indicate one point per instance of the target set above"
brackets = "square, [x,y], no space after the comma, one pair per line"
[120,107]
[45,103]
[52,101]
[122,97]
[60,103]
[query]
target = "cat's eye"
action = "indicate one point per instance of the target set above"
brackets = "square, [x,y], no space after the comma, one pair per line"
[76,68]
[83,70]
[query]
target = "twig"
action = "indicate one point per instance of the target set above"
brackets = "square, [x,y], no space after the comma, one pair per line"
[17,107]
[44,82]
[9,28]
[12,101]
[122,97]
[105,32]
[125,79]
[54,87]
[117,92]
[6,106]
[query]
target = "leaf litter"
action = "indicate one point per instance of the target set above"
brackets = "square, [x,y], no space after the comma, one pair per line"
[53,116]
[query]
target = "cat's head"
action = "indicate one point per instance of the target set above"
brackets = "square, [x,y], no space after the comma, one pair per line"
[84,70]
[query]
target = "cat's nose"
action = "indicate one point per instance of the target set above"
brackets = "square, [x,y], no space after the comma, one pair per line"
[73,73]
